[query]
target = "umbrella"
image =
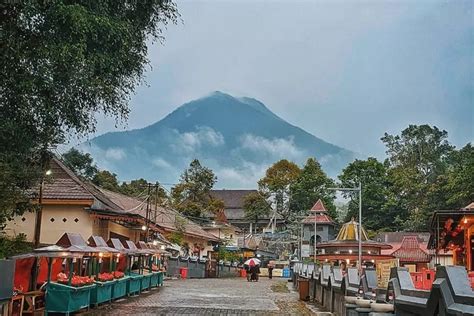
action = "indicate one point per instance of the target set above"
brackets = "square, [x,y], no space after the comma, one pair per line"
[255,261]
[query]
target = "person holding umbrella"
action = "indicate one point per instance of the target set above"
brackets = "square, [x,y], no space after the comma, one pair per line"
[254,269]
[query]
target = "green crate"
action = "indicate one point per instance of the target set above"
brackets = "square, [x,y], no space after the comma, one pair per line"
[146,281]
[119,288]
[102,292]
[134,284]
[61,298]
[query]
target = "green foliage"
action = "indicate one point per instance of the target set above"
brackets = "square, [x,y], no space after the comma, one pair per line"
[192,196]
[377,209]
[226,255]
[418,161]
[62,62]
[176,238]
[107,180]
[277,182]
[256,206]
[14,246]
[310,186]
[460,177]
[81,163]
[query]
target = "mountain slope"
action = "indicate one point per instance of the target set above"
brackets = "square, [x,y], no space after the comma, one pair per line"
[237,137]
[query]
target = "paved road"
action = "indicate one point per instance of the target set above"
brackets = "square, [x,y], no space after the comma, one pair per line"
[212,297]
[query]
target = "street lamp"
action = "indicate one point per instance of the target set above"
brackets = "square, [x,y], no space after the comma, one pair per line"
[39,211]
[359,191]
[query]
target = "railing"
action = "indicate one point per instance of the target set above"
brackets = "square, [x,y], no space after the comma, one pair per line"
[445,292]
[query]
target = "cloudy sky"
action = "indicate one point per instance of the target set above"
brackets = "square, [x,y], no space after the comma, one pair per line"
[345,71]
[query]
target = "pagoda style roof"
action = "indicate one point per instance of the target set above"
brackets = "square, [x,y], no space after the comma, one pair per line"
[318,214]
[410,251]
[350,231]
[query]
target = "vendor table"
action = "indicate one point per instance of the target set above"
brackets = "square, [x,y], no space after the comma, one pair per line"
[155,279]
[66,299]
[134,284]
[119,288]
[102,292]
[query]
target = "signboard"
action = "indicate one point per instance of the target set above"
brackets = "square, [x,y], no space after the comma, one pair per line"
[383,271]
[305,251]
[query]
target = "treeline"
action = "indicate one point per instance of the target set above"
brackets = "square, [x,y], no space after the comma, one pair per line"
[422,173]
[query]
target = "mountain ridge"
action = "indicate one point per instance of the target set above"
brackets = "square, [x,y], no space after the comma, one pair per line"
[237,137]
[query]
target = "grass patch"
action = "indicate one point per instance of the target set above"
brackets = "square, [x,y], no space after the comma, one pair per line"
[280,287]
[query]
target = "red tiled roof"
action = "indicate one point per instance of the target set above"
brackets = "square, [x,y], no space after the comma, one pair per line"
[410,251]
[320,218]
[319,206]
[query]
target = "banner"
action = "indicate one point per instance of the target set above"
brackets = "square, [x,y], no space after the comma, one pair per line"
[383,271]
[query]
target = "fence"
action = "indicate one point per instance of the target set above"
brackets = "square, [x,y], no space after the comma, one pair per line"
[450,294]
[197,268]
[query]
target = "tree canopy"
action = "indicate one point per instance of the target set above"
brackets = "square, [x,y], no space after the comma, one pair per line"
[63,62]
[192,196]
[256,207]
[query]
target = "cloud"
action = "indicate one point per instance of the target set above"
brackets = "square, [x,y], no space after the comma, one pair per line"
[115,153]
[161,163]
[275,147]
[190,142]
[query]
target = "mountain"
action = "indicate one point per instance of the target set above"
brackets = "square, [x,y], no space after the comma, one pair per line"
[236,137]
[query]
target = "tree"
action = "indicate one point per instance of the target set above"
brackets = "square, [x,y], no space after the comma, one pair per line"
[256,207]
[107,180]
[310,186]
[418,161]
[81,163]
[460,177]
[277,182]
[192,196]
[377,210]
[61,63]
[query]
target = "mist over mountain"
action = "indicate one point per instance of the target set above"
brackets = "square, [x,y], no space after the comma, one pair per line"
[238,138]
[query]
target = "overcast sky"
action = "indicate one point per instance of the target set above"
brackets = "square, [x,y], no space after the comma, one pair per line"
[345,71]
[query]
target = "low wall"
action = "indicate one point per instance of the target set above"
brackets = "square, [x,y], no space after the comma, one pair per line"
[450,295]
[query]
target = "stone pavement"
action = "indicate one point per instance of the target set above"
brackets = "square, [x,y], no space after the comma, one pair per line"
[233,296]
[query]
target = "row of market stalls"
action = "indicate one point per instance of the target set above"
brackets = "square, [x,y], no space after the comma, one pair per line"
[75,274]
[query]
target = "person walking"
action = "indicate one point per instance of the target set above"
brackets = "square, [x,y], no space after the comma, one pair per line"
[270,267]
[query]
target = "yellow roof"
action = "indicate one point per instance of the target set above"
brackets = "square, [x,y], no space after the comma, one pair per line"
[350,231]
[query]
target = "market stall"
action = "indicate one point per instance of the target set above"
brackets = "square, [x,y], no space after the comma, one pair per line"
[107,279]
[70,290]
[141,263]
[157,268]
[133,280]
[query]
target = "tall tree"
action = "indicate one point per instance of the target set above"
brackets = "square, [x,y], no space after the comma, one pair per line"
[61,63]
[107,180]
[310,186]
[418,161]
[81,163]
[192,196]
[277,182]
[460,177]
[256,207]
[377,210]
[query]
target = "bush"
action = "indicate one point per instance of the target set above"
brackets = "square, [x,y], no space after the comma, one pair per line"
[14,246]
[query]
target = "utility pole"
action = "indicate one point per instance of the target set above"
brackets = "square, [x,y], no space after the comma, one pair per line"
[147,215]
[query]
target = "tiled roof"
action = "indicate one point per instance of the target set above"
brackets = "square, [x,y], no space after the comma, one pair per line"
[233,199]
[63,184]
[397,237]
[320,218]
[470,206]
[163,217]
[319,206]
[410,251]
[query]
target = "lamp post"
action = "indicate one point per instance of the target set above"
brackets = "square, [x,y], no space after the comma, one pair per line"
[39,211]
[359,191]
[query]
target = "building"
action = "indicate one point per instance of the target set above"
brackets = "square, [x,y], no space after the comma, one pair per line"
[345,248]
[452,231]
[411,248]
[324,228]
[235,214]
[72,205]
